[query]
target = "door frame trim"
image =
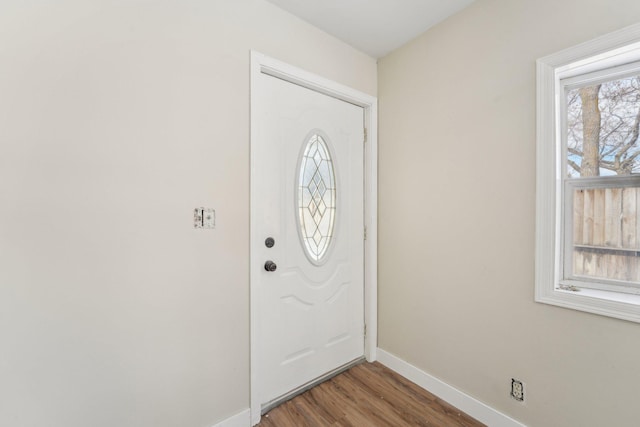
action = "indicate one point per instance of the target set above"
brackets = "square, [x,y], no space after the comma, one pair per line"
[262,64]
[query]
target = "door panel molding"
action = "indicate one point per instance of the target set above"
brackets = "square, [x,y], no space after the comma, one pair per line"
[261,64]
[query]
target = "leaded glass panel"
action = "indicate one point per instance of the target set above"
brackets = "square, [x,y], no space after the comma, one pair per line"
[316,198]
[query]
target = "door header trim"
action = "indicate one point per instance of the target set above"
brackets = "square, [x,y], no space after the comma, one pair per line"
[291,74]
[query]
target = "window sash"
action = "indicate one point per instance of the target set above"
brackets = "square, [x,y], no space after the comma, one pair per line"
[567,277]
[578,81]
[600,76]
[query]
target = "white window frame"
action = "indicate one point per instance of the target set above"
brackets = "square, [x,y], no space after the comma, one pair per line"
[594,59]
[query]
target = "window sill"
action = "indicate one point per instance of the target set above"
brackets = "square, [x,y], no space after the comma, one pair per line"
[612,304]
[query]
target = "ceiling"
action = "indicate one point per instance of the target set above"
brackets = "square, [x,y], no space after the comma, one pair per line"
[375,27]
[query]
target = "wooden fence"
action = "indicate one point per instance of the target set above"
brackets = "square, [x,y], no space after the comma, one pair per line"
[606,233]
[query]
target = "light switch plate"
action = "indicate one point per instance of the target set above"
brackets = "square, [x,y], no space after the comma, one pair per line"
[204,218]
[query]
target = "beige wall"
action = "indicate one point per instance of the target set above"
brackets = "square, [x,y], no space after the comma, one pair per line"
[457,184]
[117,118]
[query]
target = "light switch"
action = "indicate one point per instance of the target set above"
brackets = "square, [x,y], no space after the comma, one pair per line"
[204,218]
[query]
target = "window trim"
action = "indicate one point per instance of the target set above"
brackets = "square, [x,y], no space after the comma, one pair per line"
[607,52]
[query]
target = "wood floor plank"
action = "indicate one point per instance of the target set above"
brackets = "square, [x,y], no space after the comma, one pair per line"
[367,395]
[408,410]
[329,410]
[402,393]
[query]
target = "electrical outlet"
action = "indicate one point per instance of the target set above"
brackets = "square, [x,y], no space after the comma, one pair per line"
[517,390]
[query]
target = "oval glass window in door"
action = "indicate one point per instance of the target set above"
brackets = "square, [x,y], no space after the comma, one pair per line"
[316,198]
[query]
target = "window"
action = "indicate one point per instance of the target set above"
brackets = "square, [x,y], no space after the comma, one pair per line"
[316,199]
[588,177]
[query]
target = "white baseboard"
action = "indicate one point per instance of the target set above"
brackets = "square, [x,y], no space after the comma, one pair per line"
[449,394]
[241,419]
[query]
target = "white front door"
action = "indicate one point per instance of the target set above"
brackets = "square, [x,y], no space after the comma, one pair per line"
[307,237]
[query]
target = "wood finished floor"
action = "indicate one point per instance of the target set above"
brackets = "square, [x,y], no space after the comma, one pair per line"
[367,395]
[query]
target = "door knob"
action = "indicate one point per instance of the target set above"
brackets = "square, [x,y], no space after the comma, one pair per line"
[270,266]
